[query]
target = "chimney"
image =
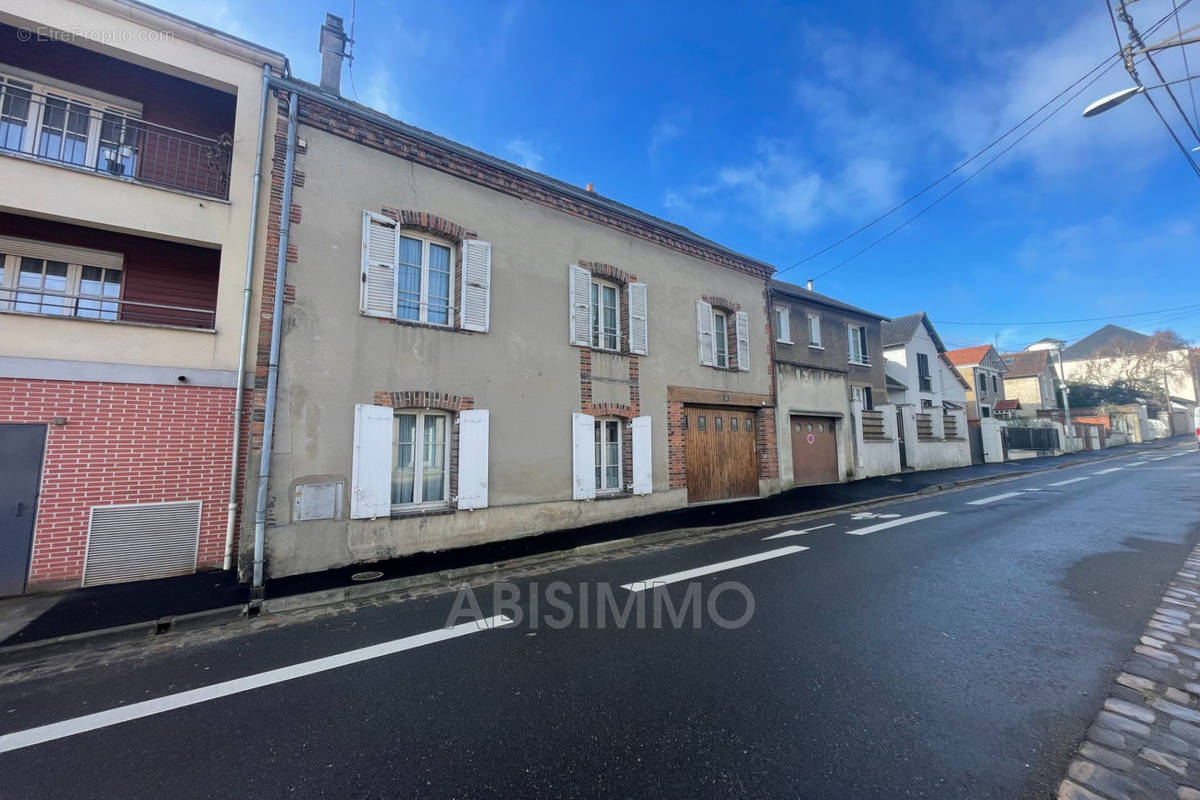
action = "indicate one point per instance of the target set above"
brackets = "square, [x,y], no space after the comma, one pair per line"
[333,50]
[591,188]
[808,285]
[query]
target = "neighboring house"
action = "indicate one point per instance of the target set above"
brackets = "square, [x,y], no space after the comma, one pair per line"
[929,395]
[1146,363]
[126,182]
[1029,384]
[983,370]
[473,351]
[834,422]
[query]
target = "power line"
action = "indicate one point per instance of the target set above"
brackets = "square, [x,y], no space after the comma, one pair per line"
[1187,70]
[1189,308]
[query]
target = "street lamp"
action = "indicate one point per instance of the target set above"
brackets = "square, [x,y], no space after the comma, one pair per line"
[1116,98]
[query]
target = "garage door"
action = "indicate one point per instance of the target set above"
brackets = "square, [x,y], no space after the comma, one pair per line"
[721,460]
[814,450]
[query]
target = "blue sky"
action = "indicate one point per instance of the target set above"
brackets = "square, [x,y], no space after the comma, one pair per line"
[779,128]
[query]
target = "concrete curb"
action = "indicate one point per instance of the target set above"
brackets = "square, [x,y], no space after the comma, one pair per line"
[449,580]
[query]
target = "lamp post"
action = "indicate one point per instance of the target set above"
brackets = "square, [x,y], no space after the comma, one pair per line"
[1115,99]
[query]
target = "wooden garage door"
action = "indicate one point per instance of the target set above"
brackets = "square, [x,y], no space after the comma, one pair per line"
[721,461]
[814,450]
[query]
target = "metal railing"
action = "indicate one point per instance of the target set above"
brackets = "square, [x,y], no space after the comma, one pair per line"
[860,359]
[109,142]
[44,303]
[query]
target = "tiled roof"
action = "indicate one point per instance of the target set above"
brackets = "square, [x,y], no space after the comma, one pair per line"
[968,356]
[1026,363]
[1008,405]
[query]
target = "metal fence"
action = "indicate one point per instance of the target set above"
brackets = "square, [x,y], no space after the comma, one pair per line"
[72,133]
[54,304]
[1031,438]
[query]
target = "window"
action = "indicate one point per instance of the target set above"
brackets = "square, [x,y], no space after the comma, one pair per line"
[863,395]
[733,423]
[814,330]
[857,344]
[608,455]
[420,458]
[717,423]
[985,411]
[783,325]
[980,383]
[423,285]
[924,378]
[749,424]
[605,316]
[995,385]
[41,278]
[720,338]
[67,126]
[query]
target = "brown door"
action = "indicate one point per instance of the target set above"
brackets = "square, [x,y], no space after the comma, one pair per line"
[814,450]
[721,461]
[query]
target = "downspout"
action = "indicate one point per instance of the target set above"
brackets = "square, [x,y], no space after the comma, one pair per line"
[264,467]
[247,292]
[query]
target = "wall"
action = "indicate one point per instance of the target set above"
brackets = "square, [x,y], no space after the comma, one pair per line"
[122,443]
[815,392]
[832,354]
[1181,367]
[524,371]
[936,453]
[903,361]
[876,457]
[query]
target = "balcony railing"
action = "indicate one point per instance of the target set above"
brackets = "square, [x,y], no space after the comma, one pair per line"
[73,133]
[78,306]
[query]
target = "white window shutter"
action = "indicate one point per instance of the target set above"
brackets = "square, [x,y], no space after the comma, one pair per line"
[476,311]
[473,459]
[704,333]
[639,333]
[742,326]
[580,291]
[379,258]
[783,318]
[371,481]
[583,447]
[643,482]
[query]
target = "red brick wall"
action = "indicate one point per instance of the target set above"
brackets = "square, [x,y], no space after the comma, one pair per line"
[122,443]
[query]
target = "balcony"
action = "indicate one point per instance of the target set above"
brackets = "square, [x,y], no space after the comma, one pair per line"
[84,134]
[99,299]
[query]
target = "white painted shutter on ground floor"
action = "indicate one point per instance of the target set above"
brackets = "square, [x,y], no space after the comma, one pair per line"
[583,449]
[473,459]
[643,480]
[371,480]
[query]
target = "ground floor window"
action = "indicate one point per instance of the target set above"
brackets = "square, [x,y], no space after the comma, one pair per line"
[608,455]
[863,395]
[420,461]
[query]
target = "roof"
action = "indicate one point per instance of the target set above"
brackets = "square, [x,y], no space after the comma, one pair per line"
[592,198]
[895,383]
[1104,342]
[900,330]
[800,293]
[1008,405]
[968,356]
[153,16]
[1024,364]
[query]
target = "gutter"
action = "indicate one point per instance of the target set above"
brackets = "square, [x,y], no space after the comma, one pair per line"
[247,292]
[264,467]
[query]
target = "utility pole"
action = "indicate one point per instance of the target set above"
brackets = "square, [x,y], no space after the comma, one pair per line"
[1167,390]
[1066,392]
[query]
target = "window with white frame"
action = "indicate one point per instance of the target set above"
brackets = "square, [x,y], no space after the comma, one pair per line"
[424,285]
[62,281]
[608,455]
[721,339]
[783,325]
[924,376]
[814,330]
[420,458]
[69,125]
[863,395]
[606,315]
[856,337]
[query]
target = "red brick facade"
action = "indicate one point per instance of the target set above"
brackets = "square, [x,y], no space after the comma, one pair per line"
[122,443]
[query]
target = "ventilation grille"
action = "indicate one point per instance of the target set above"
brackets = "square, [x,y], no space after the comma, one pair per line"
[139,542]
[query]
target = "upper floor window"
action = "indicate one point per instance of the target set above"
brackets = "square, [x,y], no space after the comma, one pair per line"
[606,315]
[924,377]
[716,346]
[424,281]
[39,278]
[720,338]
[783,325]
[981,382]
[856,336]
[995,385]
[814,330]
[863,395]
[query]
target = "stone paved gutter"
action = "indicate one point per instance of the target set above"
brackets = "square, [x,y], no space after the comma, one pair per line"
[1145,743]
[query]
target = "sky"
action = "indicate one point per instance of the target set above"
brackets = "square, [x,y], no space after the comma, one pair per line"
[779,128]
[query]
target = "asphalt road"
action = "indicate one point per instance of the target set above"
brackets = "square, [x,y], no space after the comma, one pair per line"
[958,654]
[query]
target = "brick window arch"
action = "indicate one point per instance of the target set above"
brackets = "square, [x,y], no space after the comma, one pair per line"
[728,309]
[622,279]
[440,228]
[420,400]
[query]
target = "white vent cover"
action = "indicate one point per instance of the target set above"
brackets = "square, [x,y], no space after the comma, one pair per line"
[141,541]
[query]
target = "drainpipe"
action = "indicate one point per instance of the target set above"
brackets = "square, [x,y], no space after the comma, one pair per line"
[247,291]
[264,467]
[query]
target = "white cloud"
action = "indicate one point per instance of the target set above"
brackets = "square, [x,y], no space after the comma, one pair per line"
[666,130]
[523,152]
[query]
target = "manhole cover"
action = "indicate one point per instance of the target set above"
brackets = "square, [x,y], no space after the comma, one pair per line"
[370,575]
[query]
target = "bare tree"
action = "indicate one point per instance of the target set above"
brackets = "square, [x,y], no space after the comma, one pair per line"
[1142,368]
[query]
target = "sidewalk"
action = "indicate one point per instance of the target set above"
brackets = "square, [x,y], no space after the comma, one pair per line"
[137,606]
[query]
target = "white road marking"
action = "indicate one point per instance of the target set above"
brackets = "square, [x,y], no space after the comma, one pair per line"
[903,521]
[993,498]
[1070,480]
[1136,463]
[1106,471]
[675,577]
[1160,458]
[115,716]
[797,533]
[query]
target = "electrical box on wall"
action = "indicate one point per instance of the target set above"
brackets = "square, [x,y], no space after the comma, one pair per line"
[317,501]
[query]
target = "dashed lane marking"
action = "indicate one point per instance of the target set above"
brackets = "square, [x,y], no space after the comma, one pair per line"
[115,716]
[984,501]
[894,523]
[1070,480]
[1106,471]
[675,577]
[785,534]
[1136,463]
